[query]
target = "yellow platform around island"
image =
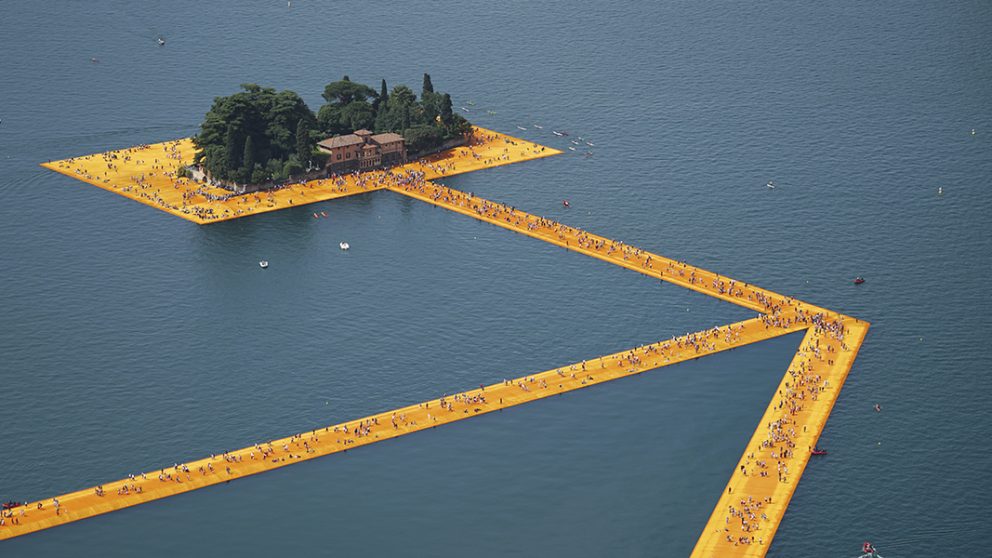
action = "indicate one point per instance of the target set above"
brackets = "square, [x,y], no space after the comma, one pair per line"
[148,174]
[751,507]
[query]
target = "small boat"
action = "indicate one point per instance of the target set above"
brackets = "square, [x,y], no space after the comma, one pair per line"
[344,245]
[565,203]
[858,280]
[559,134]
[10,505]
[323,214]
[940,190]
[571,148]
[869,551]
[521,128]
[973,132]
[264,264]
[161,41]
[471,103]
[315,216]
[770,184]
[464,109]
[538,126]
[576,142]
[818,451]
[94,60]
[590,144]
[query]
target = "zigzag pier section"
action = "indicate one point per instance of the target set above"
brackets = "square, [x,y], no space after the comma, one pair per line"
[752,505]
[227,466]
[749,511]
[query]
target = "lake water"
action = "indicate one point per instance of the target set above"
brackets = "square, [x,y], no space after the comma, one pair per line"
[132,339]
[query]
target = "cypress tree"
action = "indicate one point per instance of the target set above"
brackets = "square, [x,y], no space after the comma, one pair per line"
[248,161]
[235,148]
[383,94]
[428,86]
[446,107]
[304,148]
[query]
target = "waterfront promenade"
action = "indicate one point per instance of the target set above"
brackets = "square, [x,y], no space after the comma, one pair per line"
[226,466]
[149,174]
[748,511]
[745,519]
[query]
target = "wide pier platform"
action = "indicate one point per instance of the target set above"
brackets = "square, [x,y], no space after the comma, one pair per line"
[149,174]
[749,510]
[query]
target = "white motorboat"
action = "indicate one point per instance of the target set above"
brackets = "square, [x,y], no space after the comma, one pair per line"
[344,245]
[263,264]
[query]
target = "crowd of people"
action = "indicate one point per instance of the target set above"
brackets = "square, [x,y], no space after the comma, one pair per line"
[805,381]
[151,174]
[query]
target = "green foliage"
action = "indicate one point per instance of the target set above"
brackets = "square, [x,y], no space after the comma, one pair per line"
[304,142]
[274,169]
[357,115]
[292,168]
[346,91]
[445,107]
[423,137]
[258,175]
[259,124]
[259,116]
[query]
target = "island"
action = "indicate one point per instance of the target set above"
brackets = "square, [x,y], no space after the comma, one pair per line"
[259,139]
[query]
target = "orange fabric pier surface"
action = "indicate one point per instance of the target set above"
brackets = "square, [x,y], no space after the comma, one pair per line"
[747,513]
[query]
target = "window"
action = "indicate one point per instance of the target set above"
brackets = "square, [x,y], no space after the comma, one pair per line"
[348,156]
[339,156]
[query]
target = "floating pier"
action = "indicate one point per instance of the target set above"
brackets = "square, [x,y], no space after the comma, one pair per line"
[747,513]
[149,174]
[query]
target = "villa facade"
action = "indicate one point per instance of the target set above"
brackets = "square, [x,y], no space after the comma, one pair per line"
[363,150]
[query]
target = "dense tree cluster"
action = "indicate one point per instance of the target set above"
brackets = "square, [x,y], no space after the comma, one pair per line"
[256,135]
[259,134]
[425,123]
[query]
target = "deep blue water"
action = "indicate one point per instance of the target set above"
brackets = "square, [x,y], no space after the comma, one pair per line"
[130,339]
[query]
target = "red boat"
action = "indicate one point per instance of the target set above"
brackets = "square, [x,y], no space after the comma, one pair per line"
[10,505]
[565,203]
[818,451]
[858,280]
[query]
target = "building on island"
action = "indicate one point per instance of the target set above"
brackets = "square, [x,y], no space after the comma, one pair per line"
[363,150]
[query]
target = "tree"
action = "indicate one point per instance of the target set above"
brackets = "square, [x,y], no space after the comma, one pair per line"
[248,161]
[421,138]
[357,115]
[403,95]
[304,143]
[345,91]
[235,141]
[268,117]
[255,133]
[292,168]
[446,108]
[381,100]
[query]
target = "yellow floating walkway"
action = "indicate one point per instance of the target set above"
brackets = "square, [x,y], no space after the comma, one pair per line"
[747,516]
[156,484]
[752,505]
[148,174]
